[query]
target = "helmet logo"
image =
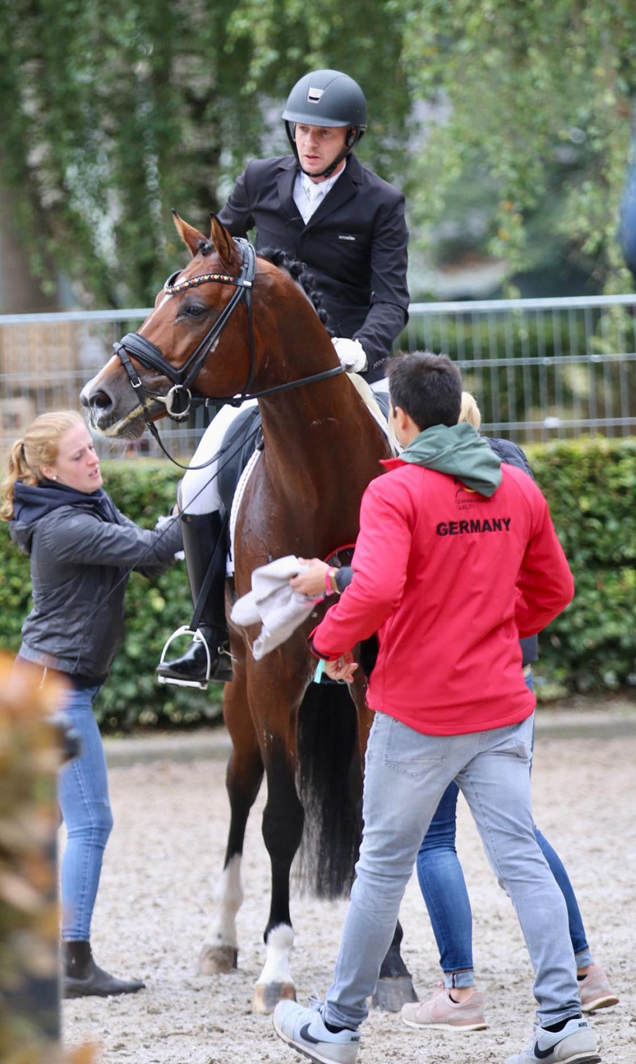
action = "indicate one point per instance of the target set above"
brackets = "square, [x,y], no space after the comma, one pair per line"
[313,95]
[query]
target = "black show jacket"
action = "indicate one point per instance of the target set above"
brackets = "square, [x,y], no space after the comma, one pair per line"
[355,244]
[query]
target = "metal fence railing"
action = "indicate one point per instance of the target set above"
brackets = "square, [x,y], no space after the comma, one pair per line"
[45,361]
[539,368]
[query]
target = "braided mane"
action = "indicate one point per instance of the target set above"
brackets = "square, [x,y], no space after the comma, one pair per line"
[296,270]
[302,276]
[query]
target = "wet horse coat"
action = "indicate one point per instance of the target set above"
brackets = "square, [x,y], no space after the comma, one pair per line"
[321,449]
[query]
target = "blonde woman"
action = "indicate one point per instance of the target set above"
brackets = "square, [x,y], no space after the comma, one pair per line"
[82,550]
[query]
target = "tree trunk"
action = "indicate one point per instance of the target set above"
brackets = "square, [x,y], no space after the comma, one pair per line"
[20,291]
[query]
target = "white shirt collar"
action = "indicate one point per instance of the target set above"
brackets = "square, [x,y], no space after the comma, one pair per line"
[308,194]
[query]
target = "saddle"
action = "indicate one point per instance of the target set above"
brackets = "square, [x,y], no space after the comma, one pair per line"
[243,437]
[382,399]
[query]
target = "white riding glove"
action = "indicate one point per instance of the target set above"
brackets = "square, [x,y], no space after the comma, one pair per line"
[351,354]
[164,520]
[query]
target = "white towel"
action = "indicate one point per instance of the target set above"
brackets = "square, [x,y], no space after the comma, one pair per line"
[272,602]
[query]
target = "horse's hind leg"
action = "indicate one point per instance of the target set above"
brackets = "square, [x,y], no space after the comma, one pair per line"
[394,987]
[243,780]
[282,832]
[275,702]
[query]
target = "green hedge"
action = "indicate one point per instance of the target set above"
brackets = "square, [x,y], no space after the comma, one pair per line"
[591,488]
[142,489]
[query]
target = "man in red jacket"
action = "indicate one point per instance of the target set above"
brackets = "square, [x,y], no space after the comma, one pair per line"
[456,559]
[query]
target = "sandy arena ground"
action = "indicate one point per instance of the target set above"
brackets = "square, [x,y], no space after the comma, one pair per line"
[156,895]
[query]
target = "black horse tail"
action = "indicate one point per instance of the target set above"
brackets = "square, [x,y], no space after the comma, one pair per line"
[330,787]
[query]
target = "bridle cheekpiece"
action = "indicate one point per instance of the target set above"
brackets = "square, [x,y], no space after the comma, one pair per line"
[180,398]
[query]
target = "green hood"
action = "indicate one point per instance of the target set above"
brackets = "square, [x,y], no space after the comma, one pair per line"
[459,451]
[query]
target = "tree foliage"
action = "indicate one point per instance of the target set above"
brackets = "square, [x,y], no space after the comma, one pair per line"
[113,112]
[539,103]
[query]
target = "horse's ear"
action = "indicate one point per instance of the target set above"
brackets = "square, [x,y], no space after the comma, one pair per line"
[225,247]
[191,237]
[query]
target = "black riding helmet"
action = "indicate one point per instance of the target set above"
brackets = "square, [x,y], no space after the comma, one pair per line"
[327,98]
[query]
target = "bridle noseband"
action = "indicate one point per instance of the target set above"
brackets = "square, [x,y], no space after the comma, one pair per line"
[180,398]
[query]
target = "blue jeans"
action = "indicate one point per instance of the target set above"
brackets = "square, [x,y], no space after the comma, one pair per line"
[85,807]
[406,775]
[444,889]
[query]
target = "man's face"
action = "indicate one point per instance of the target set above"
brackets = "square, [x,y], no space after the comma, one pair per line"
[318,146]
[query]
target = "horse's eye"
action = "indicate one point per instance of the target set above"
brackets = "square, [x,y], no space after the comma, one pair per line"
[194,310]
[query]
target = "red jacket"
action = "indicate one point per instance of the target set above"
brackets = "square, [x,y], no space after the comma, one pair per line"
[450,580]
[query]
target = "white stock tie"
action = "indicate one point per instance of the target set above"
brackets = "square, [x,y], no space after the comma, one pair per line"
[315,193]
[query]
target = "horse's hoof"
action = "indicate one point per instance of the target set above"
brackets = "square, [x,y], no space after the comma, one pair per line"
[267,996]
[215,959]
[391,993]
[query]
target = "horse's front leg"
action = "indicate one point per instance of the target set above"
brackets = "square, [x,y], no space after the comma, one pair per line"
[243,780]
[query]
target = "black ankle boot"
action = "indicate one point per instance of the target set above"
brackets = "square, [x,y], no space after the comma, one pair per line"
[205,547]
[82,977]
[192,666]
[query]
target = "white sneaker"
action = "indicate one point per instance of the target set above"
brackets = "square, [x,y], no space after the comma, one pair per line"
[575,1044]
[304,1029]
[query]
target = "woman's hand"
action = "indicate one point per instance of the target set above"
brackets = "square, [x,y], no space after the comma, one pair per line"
[311,582]
[342,669]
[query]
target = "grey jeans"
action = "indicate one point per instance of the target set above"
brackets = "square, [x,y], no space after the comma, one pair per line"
[406,774]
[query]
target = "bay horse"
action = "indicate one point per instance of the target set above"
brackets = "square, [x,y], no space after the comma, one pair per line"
[244,327]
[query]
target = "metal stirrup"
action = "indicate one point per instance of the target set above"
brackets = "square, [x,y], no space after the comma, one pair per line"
[200,684]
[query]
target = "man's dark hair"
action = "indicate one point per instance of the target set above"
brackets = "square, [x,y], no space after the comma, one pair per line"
[427,387]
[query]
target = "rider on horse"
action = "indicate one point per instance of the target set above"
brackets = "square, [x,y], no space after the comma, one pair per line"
[322,207]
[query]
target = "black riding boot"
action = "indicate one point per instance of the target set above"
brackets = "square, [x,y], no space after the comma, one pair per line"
[205,550]
[83,978]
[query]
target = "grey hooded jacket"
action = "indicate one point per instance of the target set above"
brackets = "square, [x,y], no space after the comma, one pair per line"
[82,551]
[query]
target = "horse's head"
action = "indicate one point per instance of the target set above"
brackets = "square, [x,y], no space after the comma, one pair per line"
[199,337]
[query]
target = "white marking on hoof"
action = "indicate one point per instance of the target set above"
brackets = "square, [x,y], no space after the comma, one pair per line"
[266,998]
[275,981]
[219,954]
[228,896]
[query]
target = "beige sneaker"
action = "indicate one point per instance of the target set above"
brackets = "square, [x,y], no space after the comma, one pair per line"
[441,1013]
[595,990]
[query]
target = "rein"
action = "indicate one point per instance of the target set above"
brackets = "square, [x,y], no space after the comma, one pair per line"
[180,398]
